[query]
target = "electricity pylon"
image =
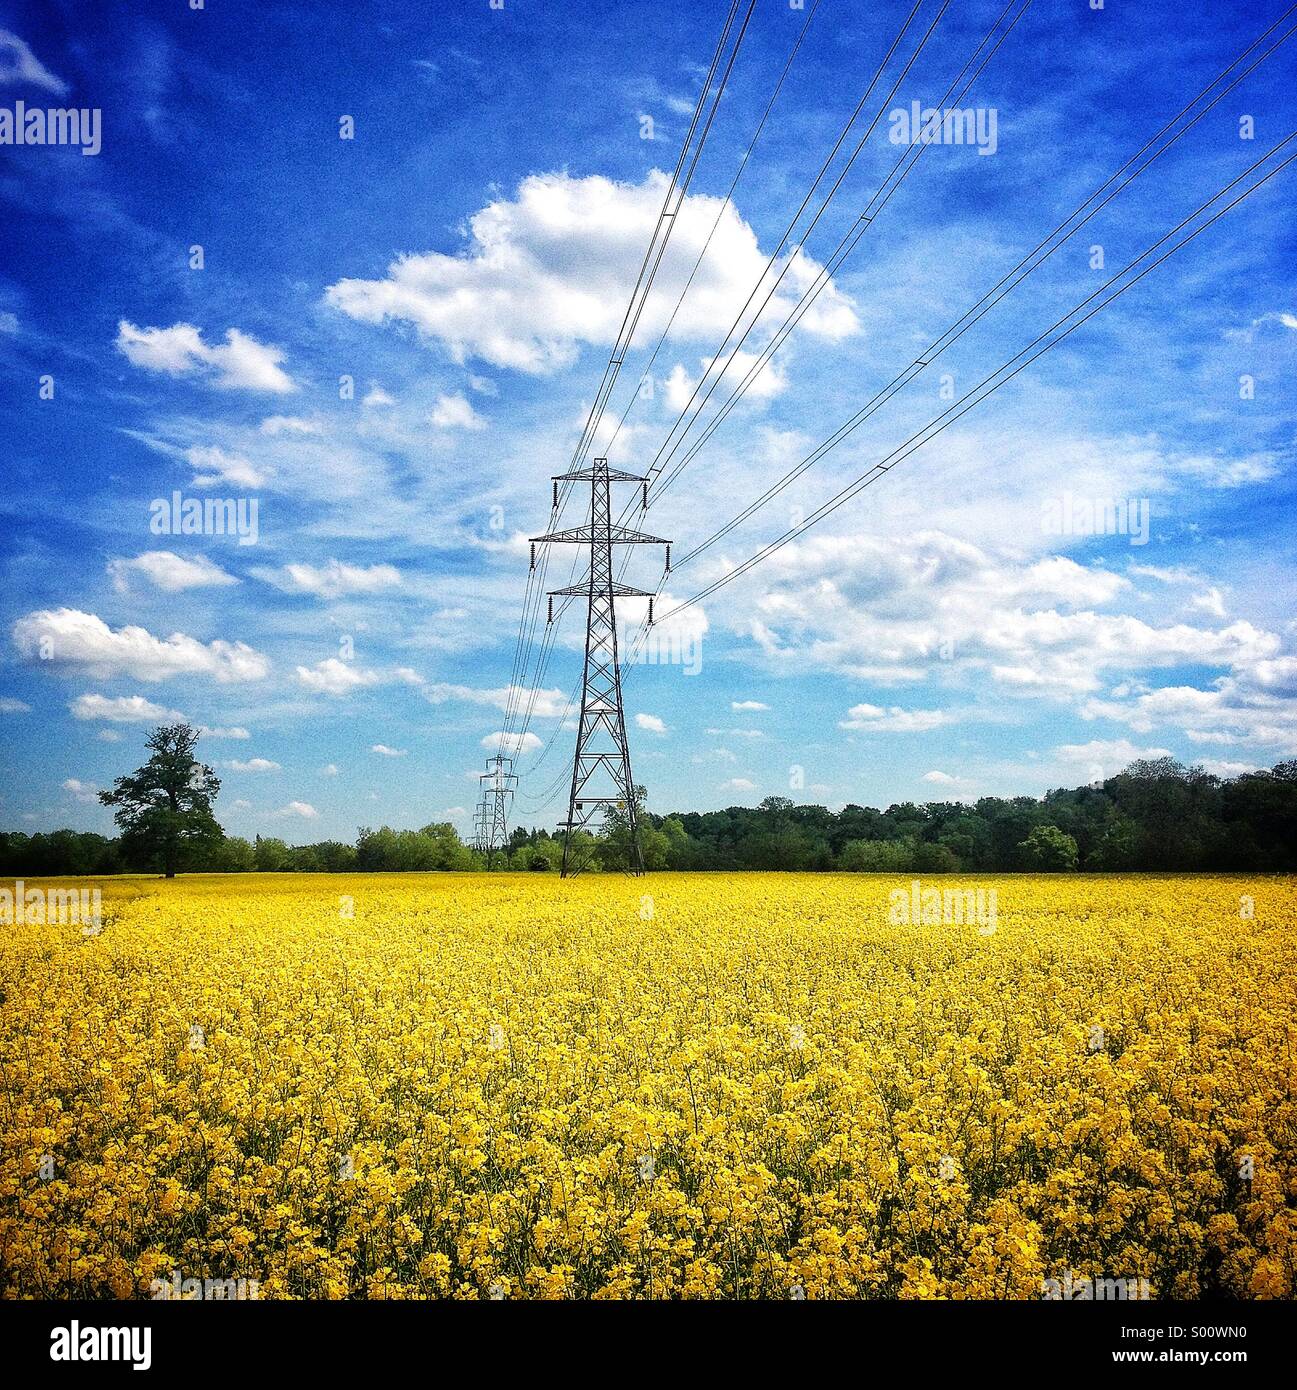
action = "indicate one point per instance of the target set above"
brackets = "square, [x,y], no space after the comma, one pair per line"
[601,772]
[480,814]
[496,791]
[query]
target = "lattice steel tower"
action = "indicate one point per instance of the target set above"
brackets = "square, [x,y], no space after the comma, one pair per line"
[601,772]
[497,788]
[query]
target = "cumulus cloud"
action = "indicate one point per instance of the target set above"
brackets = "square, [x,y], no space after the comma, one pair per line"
[943,779]
[384,751]
[734,368]
[651,722]
[332,580]
[1113,753]
[1255,706]
[894,720]
[253,765]
[123,709]
[546,704]
[738,784]
[862,606]
[169,572]
[512,745]
[240,363]
[742,706]
[83,791]
[455,413]
[334,677]
[545,273]
[302,810]
[72,640]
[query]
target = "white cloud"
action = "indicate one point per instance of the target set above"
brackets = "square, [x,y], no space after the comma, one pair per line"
[290,424]
[8,705]
[742,706]
[71,639]
[1111,753]
[377,397]
[329,770]
[253,765]
[738,784]
[894,720]
[1211,602]
[455,413]
[301,809]
[548,704]
[651,722]
[334,677]
[169,572]
[1256,706]
[83,791]
[547,272]
[213,466]
[1224,768]
[123,709]
[20,66]
[233,731]
[241,362]
[733,369]
[384,751]
[940,607]
[512,745]
[940,778]
[108,736]
[1217,472]
[331,580]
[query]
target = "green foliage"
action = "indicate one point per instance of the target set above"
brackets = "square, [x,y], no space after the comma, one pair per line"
[164,809]
[876,856]
[234,855]
[434,847]
[1156,815]
[1048,848]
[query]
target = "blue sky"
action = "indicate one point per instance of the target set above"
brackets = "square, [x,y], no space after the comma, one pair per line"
[465,260]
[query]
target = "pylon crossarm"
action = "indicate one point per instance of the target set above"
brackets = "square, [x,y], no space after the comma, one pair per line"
[585,535]
[587,475]
[617,590]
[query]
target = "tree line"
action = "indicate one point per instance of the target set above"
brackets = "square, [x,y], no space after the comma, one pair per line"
[1156,815]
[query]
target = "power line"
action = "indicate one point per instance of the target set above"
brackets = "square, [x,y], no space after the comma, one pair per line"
[720,213]
[992,296]
[917,440]
[670,444]
[899,172]
[1003,287]
[661,237]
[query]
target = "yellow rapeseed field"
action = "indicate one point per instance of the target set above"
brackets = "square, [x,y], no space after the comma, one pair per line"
[761,1085]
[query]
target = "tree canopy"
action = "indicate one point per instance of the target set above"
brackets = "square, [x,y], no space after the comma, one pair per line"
[1156,815]
[164,809]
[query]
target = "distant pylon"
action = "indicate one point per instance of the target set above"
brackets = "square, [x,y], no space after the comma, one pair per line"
[480,812]
[601,771]
[496,790]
